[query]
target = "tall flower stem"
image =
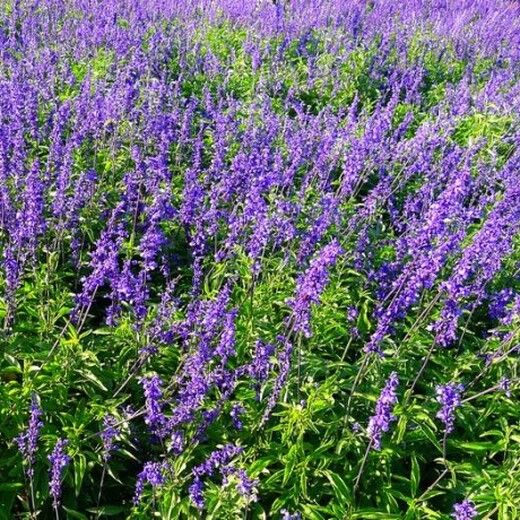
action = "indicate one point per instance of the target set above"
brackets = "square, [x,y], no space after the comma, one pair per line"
[101,482]
[420,373]
[361,468]
[359,374]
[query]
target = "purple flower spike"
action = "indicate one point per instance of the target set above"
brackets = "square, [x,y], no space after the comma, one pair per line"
[154,418]
[27,442]
[464,511]
[196,493]
[220,459]
[449,397]
[311,285]
[380,421]
[505,385]
[153,473]
[59,461]
[246,486]
[110,431]
[177,442]
[235,413]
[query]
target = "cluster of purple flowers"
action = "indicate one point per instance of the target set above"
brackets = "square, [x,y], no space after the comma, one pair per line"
[380,421]
[59,460]
[505,385]
[27,441]
[449,398]
[221,459]
[154,418]
[465,510]
[311,284]
[236,411]
[110,431]
[153,473]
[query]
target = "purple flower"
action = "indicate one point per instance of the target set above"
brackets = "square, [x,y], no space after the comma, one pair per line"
[59,461]
[311,284]
[226,347]
[12,277]
[235,413]
[196,495]
[464,511]
[246,486]
[499,302]
[259,368]
[505,385]
[110,431]
[380,421]
[352,313]
[154,418]
[177,442]
[284,360]
[449,397]
[153,473]
[27,441]
[290,516]
[219,459]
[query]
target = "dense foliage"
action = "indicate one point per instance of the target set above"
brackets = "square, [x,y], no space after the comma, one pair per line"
[260,259]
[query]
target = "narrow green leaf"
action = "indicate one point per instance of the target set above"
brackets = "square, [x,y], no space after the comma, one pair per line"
[415,476]
[339,486]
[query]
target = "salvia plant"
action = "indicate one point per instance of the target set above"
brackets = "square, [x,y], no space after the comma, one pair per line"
[259,259]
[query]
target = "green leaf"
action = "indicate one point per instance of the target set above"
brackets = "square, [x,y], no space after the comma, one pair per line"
[303,484]
[311,513]
[430,435]
[87,374]
[10,486]
[289,465]
[107,510]
[80,467]
[74,514]
[415,476]
[374,515]
[400,429]
[340,488]
[259,465]
[479,446]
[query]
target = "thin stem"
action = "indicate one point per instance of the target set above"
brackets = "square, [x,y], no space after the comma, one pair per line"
[421,371]
[431,486]
[353,389]
[31,493]
[444,471]
[484,392]
[299,368]
[98,515]
[444,441]
[496,360]
[349,342]
[491,514]
[139,413]
[362,467]
[465,329]
[419,319]
[133,371]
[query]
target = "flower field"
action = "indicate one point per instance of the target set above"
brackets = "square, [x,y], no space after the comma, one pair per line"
[260,259]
